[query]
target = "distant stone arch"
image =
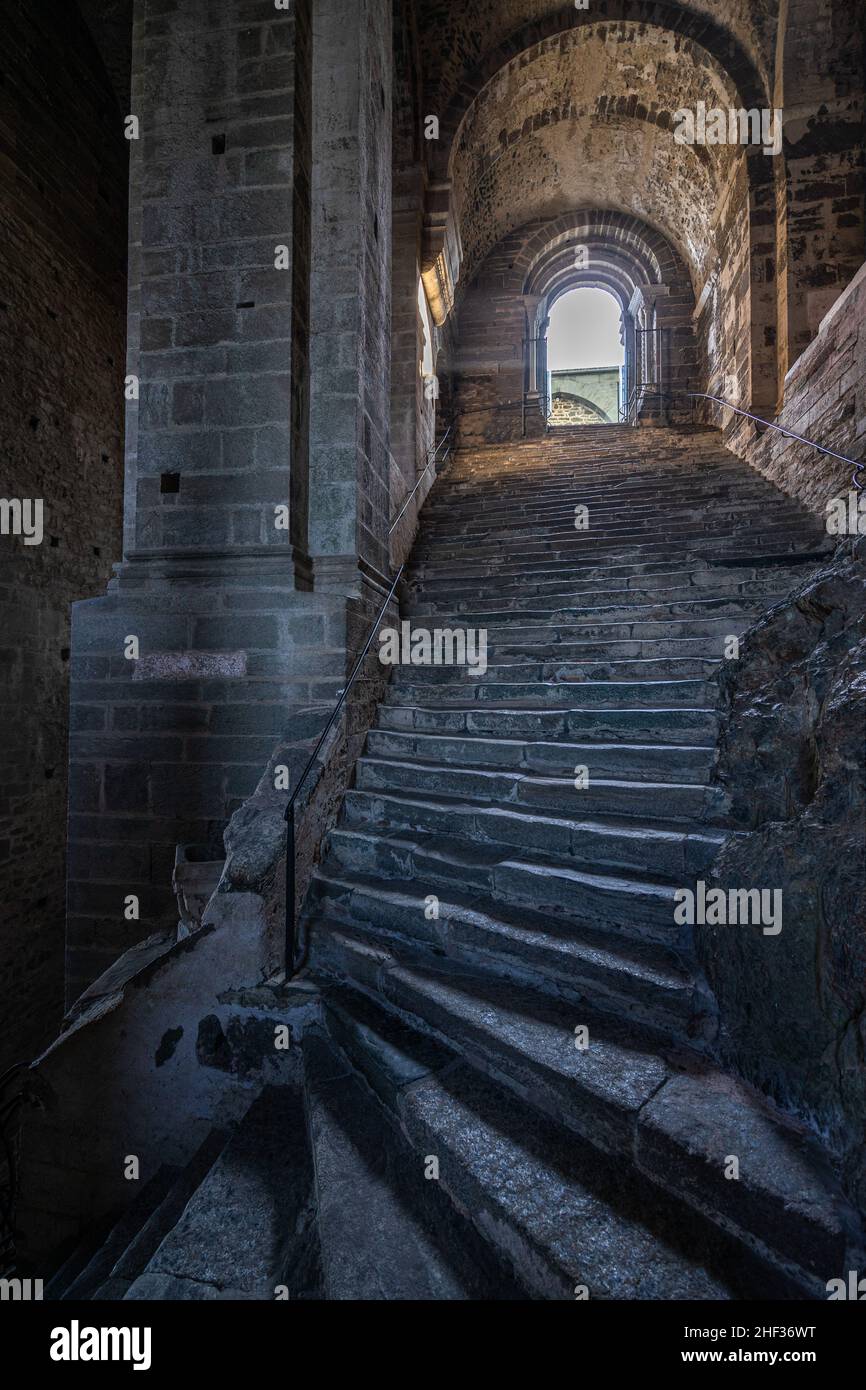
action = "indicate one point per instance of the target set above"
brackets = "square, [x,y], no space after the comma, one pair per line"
[568,409]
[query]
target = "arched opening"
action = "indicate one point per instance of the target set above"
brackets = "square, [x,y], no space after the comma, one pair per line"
[507,155]
[585,358]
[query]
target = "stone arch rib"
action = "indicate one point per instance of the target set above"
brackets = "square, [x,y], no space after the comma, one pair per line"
[728,52]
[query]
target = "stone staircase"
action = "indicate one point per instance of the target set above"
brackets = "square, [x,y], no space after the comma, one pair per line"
[474,900]
[314,1195]
[443,1135]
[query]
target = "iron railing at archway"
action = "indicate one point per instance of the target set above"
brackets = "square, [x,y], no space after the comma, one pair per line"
[858,465]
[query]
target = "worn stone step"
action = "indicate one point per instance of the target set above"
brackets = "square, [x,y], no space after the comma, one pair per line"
[645,801]
[618,979]
[590,662]
[522,523]
[552,632]
[591,555]
[525,659]
[749,547]
[506,525]
[603,661]
[704,651]
[628,693]
[639,576]
[614,725]
[521,631]
[563,541]
[623,607]
[384,1233]
[147,1239]
[556,467]
[128,1225]
[681,1126]
[544,544]
[535,486]
[550,676]
[651,762]
[634,494]
[674,853]
[250,1225]
[629,909]
[555,1211]
[76,1259]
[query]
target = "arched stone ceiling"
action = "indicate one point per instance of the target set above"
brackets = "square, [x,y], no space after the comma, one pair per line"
[465,44]
[586,119]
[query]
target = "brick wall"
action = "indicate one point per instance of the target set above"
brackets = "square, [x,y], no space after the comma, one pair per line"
[62,269]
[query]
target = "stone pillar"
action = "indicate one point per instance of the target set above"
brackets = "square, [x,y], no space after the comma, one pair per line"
[411,415]
[185,676]
[541,359]
[350,293]
[534,371]
[630,345]
[220,244]
[645,327]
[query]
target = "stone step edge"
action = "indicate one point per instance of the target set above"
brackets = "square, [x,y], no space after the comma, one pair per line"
[660,964]
[637,1151]
[396,1078]
[594,822]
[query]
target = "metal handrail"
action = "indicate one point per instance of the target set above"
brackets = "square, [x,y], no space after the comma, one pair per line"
[857,464]
[291,925]
[291,963]
[431,459]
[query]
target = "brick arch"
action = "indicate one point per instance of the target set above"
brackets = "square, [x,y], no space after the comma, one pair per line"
[701,31]
[614,279]
[491,185]
[709,41]
[604,108]
[529,249]
[600,417]
[625,256]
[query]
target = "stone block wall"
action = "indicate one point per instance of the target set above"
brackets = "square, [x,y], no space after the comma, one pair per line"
[350,290]
[166,748]
[219,258]
[211,590]
[598,385]
[790,764]
[825,400]
[735,352]
[263,131]
[63,201]
[821,199]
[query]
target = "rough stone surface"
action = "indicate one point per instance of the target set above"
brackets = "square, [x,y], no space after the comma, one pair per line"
[791,763]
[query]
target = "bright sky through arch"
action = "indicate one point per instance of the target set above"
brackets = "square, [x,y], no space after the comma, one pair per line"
[584,331]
